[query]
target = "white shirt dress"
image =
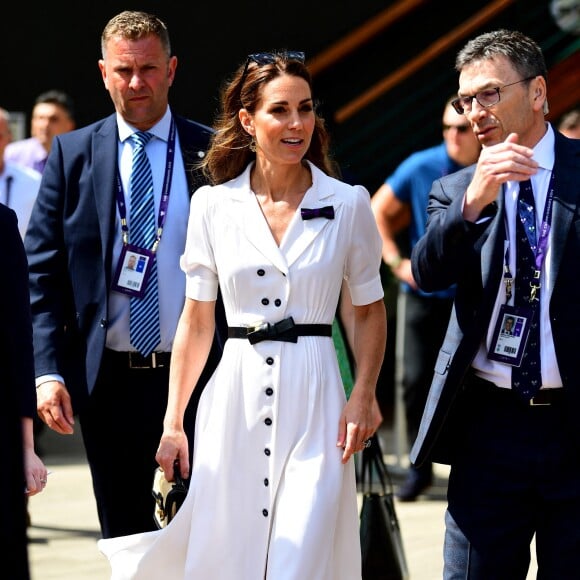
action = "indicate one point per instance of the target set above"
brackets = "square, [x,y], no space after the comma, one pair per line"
[269,498]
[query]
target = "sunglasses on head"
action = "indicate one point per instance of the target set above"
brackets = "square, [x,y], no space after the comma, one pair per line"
[262,58]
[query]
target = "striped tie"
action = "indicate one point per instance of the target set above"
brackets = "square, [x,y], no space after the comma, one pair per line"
[145,331]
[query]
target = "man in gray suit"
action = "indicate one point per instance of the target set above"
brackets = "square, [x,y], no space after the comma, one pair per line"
[503,410]
[80,233]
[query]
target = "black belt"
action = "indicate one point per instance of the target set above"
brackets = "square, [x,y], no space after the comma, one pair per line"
[543,398]
[134,360]
[285,331]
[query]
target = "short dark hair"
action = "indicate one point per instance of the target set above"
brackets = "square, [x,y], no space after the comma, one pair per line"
[57,97]
[525,54]
[134,25]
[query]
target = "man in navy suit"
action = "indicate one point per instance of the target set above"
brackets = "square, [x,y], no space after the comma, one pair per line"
[78,237]
[514,450]
[22,468]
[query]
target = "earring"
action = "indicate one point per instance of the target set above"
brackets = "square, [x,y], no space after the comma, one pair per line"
[252,145]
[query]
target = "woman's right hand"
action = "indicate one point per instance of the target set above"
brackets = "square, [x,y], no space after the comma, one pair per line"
[173,447]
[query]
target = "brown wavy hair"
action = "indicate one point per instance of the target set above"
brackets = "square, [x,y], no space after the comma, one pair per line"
[229,152]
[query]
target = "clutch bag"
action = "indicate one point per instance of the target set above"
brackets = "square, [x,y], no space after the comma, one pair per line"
[169,495]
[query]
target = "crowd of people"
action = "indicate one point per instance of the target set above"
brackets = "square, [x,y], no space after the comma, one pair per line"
[173,289]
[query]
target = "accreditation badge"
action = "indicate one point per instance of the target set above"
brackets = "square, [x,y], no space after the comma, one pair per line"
[133,271]
[511,334]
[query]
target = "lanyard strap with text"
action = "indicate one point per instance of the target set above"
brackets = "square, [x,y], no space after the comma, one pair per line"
[164,193]
[538,250]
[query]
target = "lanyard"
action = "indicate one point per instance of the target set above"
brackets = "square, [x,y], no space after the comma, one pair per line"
[164,193]
[8,182]
[538,247]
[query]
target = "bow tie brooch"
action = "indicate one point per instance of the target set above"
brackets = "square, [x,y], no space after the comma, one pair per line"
[325,212]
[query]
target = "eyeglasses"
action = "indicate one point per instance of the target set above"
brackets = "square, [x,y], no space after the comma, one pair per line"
[262,58]
[485,98]
[459,128]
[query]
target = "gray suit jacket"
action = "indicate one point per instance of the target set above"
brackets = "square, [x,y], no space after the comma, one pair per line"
[471,256]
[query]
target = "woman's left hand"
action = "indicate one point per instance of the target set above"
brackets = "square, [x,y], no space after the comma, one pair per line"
[359,421]
[35,472]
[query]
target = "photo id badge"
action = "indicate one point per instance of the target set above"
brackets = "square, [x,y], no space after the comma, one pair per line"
[511,334]
[133,271]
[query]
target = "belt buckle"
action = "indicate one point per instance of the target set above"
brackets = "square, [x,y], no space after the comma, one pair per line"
[260,325]
[535,404]
[258,332]
[134,363]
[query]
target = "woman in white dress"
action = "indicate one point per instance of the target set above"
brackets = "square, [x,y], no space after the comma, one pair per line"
[273,491]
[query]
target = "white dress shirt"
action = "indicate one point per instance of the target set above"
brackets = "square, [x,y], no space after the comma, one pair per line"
[494,371]
[18,190]
[171,280]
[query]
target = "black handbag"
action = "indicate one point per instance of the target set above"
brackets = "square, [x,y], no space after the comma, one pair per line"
[383,554]
[169,495]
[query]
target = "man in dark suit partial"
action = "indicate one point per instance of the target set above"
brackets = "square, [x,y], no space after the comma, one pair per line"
[79,235]
[510,437]
[24,473]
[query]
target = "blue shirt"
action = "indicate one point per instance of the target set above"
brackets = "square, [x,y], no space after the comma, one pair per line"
[411,183]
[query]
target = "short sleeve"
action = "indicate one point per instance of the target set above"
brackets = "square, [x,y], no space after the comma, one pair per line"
[364,258]
[198,261]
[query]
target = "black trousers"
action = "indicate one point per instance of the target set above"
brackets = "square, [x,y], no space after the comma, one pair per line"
[13,525]
[121,428]
[517,473]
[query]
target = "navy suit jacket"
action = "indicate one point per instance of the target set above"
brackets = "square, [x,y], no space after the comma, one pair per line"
[16,355]
[471,255]
[17,388]
[69,243]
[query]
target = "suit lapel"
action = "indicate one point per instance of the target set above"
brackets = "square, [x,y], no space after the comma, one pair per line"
[105,183]
[245,213]
[258,233]
[566,200]
[492,250]
[302,233]
[193,142]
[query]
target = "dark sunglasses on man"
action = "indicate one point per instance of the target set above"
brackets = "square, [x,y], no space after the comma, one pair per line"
[459,128]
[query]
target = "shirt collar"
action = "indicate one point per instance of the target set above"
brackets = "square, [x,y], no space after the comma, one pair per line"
[544,149]
[160,129]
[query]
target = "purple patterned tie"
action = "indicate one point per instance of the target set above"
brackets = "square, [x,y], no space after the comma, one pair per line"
[527,378]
